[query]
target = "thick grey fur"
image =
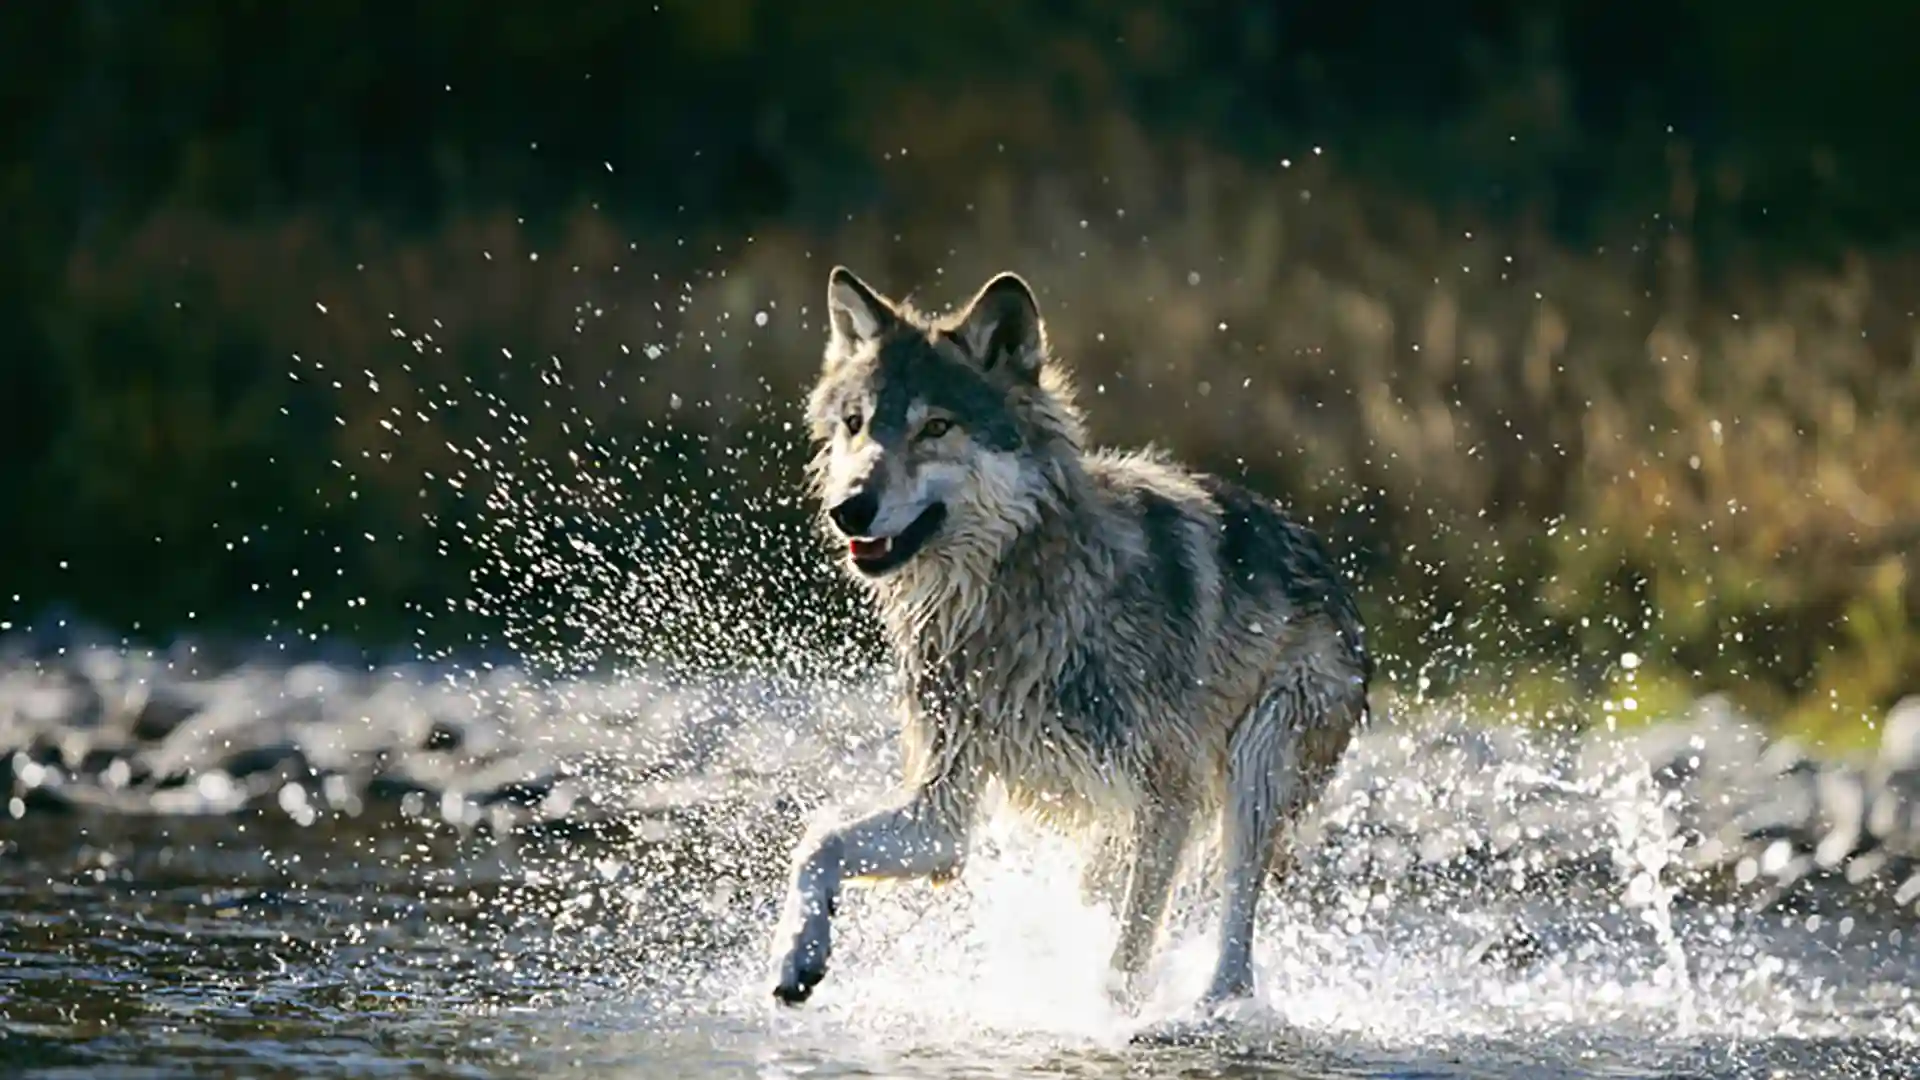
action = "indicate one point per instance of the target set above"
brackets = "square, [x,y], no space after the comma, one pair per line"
[1126,647]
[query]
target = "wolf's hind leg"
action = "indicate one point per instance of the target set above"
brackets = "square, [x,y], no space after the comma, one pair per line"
[1260,778]
[1279,761]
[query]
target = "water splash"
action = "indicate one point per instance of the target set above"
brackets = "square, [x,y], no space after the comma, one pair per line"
[626,907]
[1649,842]
[657,583]
[1005,967]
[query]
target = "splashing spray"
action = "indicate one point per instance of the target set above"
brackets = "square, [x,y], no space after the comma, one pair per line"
[1648,842]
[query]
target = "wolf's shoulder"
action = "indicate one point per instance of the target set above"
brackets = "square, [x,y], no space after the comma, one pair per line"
[1131,477]
[1259,548]
[1241,514]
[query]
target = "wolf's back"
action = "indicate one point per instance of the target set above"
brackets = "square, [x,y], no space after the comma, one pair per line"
[1262,549]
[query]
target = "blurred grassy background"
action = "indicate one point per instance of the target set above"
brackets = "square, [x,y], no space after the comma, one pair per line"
[1586,327]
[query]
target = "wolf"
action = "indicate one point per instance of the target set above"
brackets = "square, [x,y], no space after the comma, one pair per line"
[1127,648]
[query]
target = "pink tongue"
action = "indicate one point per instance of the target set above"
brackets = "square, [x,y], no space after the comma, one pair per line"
[867,549]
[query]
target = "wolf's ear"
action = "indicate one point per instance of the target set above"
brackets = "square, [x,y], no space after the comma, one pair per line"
[1001,327]
[857,312]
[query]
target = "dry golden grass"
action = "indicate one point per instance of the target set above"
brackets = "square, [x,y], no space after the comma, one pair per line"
[1544,456]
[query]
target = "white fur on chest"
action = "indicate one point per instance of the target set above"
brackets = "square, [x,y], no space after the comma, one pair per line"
[1015,736]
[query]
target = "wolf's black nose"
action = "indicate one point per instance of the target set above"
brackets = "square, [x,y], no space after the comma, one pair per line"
[855,515]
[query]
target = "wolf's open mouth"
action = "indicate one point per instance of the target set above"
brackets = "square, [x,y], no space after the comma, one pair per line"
[877,556]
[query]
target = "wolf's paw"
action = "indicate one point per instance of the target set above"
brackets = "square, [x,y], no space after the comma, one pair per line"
[1229,990]
[1228,1010]
[1212,1022]
[797,986]
[1191,1033]
[1123,992]
[802,969]
[1225,998]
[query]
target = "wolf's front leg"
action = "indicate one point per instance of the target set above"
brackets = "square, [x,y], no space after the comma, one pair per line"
[1159,838]
[1103,877]
[923,837]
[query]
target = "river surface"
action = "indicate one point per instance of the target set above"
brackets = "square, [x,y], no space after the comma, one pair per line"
[295,914]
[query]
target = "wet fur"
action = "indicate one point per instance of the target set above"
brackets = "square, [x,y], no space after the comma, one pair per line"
[1129,649]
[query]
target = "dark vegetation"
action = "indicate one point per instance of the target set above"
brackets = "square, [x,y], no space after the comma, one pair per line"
[1588,327]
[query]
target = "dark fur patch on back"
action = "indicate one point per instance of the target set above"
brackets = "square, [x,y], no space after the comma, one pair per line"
[1257,538]
[1175,577]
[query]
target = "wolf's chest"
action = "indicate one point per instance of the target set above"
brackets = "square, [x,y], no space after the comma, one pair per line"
[1056,741]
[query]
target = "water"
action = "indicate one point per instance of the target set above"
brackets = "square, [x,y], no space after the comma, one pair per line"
[611,917]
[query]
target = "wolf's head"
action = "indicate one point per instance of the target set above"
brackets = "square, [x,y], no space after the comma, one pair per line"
[936,436]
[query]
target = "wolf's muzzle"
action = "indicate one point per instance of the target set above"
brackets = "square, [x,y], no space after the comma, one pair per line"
[854,516]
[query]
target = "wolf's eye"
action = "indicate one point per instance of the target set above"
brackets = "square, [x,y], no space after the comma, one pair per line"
[935,427]
[853,424]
